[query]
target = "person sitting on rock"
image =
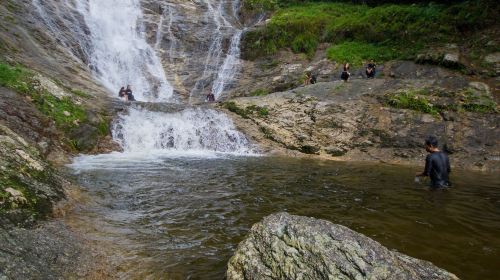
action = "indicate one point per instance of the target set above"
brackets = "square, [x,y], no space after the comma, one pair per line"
[370,70]
[122,93]
[308,78]
[128,92]
[437,164]
[313,79]
[345,73]
[210,97]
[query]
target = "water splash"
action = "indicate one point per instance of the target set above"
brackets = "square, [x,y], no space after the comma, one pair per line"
[219,69]
[121,54]
[230,67]
[194,130]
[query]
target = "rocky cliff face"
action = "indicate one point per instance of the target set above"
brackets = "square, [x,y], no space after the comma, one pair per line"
[192,40]
[284,246]
[380,119]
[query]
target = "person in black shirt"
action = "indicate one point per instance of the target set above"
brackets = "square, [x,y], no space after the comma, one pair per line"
[313,79]
[437,164]
[210,97]
[122,93]
[370,70]
[130,96]
[345,74]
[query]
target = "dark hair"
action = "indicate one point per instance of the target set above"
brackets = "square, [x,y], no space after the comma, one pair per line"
[431,141]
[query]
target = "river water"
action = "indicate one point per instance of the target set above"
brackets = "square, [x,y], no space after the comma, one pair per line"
[182,217]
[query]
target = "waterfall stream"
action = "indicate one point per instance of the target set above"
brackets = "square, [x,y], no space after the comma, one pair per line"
[197,131]
[119,54]
[219,69]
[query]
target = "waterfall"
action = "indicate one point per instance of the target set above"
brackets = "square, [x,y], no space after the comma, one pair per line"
[121,54]
[229,67]
[193,129]
[171,36]
[221,71]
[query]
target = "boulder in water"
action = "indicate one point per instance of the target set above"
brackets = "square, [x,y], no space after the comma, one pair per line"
[283,246]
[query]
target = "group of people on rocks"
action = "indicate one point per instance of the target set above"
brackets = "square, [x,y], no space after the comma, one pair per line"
[126,94]
[370,71]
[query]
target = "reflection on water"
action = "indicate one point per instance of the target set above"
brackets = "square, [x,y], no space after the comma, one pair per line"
[182,218]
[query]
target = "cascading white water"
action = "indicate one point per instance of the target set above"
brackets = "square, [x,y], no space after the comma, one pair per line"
[230,66]
[195,130]
[120,52]
[218,70]
[120,55]
[171,36]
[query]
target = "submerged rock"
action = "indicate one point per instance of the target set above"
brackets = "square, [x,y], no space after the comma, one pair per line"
[283,246]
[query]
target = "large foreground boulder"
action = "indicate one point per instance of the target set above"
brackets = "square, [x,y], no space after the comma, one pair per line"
[283,246]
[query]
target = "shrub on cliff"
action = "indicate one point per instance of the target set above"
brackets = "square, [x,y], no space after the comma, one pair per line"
[402,29]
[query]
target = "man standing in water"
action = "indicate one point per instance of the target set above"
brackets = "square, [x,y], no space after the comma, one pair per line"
[437,164]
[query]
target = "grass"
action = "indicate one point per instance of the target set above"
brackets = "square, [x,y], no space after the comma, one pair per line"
[361,32]
[66,113]
[259,92]
[424,101]
[81,93]
[411,100]
[247,111]
[477,102]
[63,111]
[15,77]
[231,106]
[356,53]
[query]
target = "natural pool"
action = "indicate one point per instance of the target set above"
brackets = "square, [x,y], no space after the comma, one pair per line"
[182,217]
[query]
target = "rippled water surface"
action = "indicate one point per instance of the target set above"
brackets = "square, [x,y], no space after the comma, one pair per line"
[182,218]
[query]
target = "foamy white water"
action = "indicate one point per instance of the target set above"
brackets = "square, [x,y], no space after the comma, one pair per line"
[230,66]
[220,68]
[120,53]
[196,129]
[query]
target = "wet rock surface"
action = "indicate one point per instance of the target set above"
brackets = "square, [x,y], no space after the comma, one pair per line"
[48,251]
[284,246]
[22,116]
[356,121]
[31,192]
[29,187]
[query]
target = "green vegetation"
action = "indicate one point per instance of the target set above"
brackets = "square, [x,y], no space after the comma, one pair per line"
[246,112]
[356,53]
[477,102]
[81,93]
[231,106]
[268,133]
[103,128]
[15,77]
[412,100]
[63,111]
[360,32]
[259,92]
[424,101]
[66,114]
